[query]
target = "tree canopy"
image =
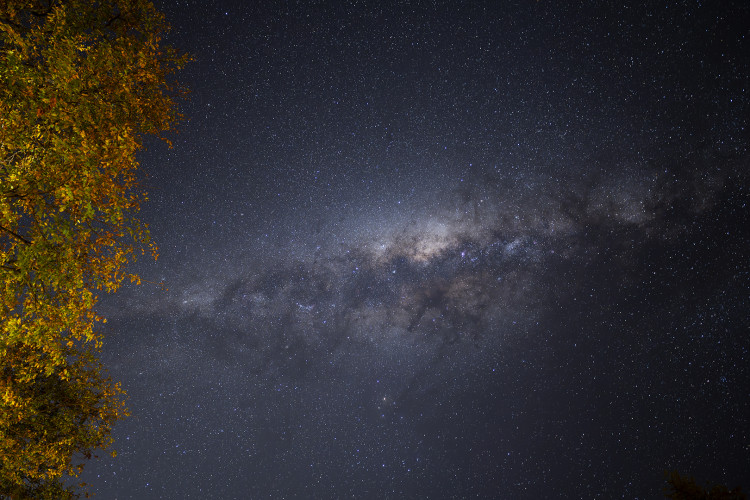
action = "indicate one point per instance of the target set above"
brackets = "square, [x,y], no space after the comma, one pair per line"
[81,84]
[685,488]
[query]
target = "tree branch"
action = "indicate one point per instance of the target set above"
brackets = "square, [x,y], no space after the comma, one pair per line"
[18,236]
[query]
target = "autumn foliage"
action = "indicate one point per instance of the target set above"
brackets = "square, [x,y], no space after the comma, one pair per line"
[81,83]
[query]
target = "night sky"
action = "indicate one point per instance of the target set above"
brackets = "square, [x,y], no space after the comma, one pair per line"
[442,250]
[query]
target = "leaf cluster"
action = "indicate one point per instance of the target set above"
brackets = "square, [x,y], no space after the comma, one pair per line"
[81,83]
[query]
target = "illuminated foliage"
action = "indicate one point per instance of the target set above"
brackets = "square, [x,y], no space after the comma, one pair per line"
[81,83]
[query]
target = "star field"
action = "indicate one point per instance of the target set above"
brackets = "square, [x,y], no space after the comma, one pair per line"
[441,250]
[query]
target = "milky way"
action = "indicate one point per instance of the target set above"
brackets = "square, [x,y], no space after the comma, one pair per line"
[397,327]
[424,252]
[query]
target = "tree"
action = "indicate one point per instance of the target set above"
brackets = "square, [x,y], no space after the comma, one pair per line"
[685,488]
[81,84]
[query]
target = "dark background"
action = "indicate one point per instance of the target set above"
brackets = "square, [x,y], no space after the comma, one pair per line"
[442,250]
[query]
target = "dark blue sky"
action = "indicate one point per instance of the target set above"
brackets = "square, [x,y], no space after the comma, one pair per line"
[433,250]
